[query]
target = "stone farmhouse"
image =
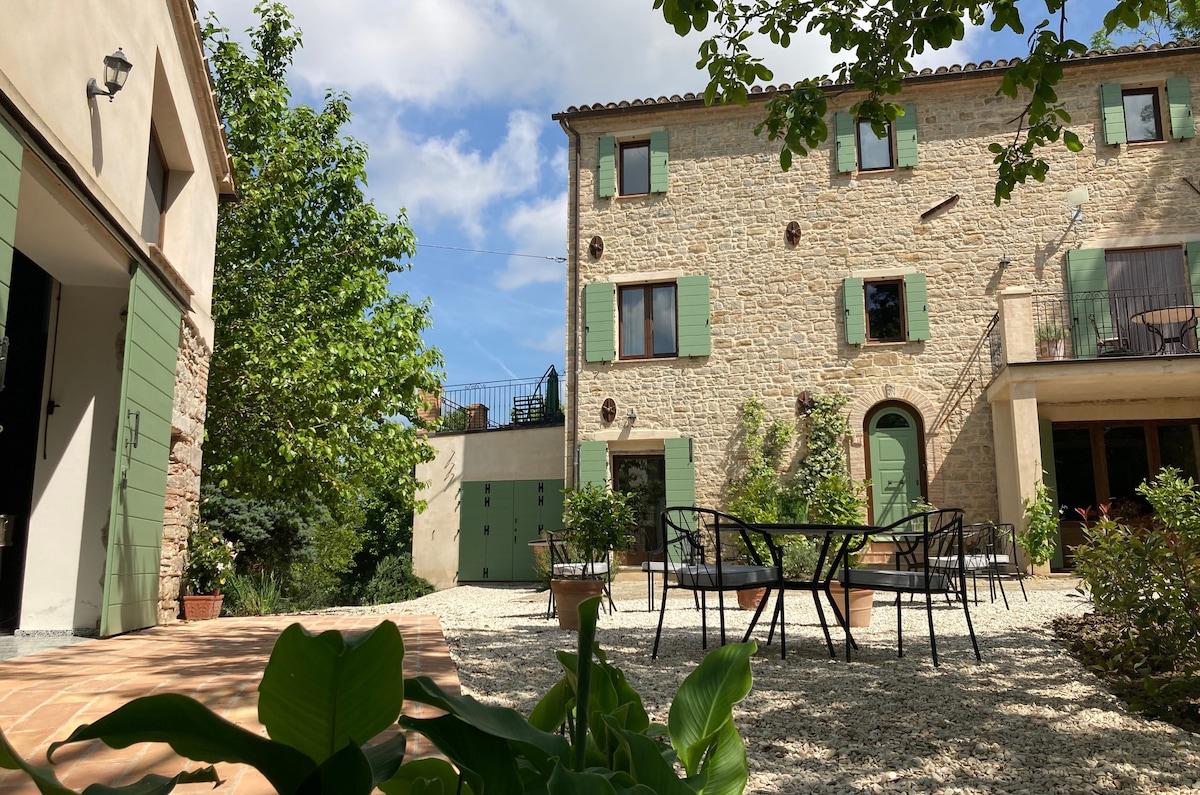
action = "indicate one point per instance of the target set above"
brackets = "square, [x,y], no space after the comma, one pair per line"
[982,348]
[112,161]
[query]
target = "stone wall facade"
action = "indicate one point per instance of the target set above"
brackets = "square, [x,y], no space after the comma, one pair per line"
[777,316]
[183,472]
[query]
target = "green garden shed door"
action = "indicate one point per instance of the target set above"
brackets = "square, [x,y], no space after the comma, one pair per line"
[895,464]
[135,526]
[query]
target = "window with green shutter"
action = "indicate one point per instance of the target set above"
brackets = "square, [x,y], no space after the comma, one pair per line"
[695,328]
[887,309]
[1112,114]
[1179,100]
[1087,286]
[1135,113]
[606,168]
[658,161]
[593,463]
[634,167]
[663,319]
[843,137]
[906,138]
[859,147]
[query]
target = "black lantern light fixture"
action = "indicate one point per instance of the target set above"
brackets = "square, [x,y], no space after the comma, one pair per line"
[116,69]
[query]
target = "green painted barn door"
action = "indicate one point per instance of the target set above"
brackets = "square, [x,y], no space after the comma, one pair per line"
[498,533]
[895,465]
[528,496]
[472,516]
[135,525]
[11,150]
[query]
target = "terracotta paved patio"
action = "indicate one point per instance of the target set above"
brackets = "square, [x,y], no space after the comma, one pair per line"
[45,696]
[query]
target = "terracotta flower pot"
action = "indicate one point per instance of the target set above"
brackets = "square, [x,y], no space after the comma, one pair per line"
[567,596]
[860,604]
[748,600]
[201,608]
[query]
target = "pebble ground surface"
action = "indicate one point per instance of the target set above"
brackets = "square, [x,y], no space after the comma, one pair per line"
[1027,719]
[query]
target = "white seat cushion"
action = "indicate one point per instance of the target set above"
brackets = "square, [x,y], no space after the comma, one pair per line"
[579,569]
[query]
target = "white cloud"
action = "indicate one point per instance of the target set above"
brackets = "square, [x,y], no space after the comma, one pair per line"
[450,177]
[554,341]
[539,228]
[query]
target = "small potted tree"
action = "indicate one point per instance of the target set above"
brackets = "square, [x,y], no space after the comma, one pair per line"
[209,565]
[1052,341]
[597,520]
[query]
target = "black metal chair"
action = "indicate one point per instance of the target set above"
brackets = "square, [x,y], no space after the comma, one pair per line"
[929,560]
[1002,560]
[698,541]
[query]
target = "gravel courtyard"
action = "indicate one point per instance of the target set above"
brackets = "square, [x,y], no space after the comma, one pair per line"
[1028,719]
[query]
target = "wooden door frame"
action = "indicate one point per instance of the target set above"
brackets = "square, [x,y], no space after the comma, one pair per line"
[919,422]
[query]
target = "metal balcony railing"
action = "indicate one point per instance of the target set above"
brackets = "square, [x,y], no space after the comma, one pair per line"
[1086,325]
[492,405]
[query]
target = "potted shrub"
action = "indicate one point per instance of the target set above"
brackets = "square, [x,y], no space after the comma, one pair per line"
[1052,341]
[597,520]
[209,565]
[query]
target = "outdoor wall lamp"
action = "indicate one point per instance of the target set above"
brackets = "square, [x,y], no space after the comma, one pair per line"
[1005,261]
[632,416]
[116,69]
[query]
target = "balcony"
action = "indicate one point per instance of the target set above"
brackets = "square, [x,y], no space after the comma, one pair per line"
[1095,346]
[1115,323]
[498,405]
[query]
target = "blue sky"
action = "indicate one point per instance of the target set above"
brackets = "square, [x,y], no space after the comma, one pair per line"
[454,98]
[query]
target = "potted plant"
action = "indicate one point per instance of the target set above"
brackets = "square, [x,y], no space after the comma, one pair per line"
[1040,538]
[597,520]
[209,565]
[1052,341]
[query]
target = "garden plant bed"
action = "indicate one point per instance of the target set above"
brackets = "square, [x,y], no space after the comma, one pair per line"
[1098,642]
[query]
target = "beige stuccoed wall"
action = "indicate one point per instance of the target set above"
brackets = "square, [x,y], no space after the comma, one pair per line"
[50,48]
[776,309]
[527,454]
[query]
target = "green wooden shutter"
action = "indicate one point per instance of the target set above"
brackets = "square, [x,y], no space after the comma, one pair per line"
[1192,251]
[1112,113]
[916,305]
[691,304]
[135,526]
[593,463]
[1050,477]
[680,473]
[472,516]
[599,330]
[906,138]
[11,150]
[1087,285]
[1179,98]
[498,566]
[854,310]
[843,130]
[606,174]
[658,161]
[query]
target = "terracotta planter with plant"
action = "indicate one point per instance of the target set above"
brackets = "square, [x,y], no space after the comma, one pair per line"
[209,565]
[1052,341]
[597,521]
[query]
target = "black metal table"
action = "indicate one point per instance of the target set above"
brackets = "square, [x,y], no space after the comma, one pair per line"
[831,555]
[1155,320]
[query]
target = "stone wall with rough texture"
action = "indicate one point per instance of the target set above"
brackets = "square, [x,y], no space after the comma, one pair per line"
[183,472]
[776,309]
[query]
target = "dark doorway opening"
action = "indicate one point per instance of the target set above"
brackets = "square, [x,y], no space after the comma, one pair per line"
[27,328]
[645,477]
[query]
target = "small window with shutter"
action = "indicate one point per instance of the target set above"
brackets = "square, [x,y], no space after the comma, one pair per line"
[886,309]
[634,166]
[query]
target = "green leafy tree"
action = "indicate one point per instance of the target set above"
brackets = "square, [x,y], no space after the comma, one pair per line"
[1181,21]
[315,360]
[880,40]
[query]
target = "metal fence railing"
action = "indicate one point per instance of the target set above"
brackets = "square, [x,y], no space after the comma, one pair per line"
[491,405]
[1084,325]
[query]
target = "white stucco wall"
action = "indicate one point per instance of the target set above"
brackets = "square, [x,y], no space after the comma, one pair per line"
[528,454]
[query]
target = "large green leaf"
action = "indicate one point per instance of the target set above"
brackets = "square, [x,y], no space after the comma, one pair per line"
[704,703]
[322,692]
[502,722]
[347,773]
[193,731]
[158,785]
[552,710]
[386,757]
[425,777]
[47,783]
[648,764]
[724,770]
[486,761]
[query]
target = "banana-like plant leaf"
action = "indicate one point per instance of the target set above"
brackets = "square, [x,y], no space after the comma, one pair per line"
[47,783]
[704,703]
[158,785]
[485,760]
[551,711]
[195,732]
[322,692]
[347,773]
[386,757]
[502,722]
[425,777]
[647,763]
[568,782]
[724,769]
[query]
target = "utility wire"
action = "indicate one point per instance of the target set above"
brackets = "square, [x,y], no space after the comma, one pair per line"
[498,253]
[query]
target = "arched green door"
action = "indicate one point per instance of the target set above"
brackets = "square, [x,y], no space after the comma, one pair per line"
[895,448]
